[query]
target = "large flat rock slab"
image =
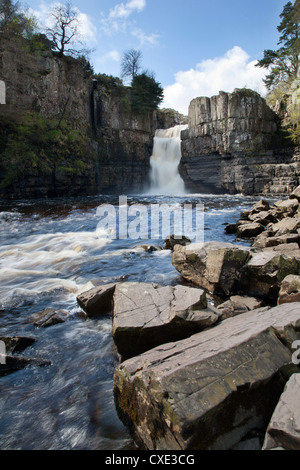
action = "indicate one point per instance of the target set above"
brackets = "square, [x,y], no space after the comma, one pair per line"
[209,390]
[146,315]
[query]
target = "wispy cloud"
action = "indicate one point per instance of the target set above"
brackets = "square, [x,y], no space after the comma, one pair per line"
[112,55]
[123,10]
[233,70]
[145,39]
[120,20]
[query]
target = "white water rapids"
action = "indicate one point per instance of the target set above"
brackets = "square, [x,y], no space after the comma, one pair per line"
[165,160]
[50,250]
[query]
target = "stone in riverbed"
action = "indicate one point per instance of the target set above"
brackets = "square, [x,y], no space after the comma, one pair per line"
[209,391]
[214,266]
[97,301]
[147,315]
[49,317]
[173,240]
[15,363]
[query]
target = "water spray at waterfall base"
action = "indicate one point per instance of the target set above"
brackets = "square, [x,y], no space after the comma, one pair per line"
[165,160]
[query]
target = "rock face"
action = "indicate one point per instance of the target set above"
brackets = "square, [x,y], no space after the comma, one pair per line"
[116,144]
[228,147]
[231,121]
[210,390]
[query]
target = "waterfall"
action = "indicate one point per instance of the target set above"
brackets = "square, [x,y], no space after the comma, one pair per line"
[165,177]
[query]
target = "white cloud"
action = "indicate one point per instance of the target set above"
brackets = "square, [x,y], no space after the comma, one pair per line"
[233,70]
[122,10]
[117,17]
[87,29]
[119,20]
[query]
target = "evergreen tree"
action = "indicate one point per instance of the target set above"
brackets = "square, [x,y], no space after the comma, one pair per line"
[147,94]
[283,63]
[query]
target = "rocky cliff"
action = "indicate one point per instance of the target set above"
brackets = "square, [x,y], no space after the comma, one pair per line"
[231,145]
[64,133]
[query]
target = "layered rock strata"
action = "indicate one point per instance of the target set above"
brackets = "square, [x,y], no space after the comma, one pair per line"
[229,147]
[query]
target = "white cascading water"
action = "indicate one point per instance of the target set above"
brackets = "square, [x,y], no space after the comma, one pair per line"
[165,177]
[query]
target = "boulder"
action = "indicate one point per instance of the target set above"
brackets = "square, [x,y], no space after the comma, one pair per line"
[97,301]
[250,230]
[283,239]
[288,205]
[147,315]
[208,391]
[173,240]
[260,206]
[214,266]
[287,225]
[296,194]
[264,218]
[262,276]
[290,290]
[283,432]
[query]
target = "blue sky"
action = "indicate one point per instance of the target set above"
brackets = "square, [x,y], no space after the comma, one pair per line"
[195,47]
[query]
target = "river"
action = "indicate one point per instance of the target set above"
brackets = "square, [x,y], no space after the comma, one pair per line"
[50,249]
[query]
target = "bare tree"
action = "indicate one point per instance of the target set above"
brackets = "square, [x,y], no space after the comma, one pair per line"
[131,63]
[64,33]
